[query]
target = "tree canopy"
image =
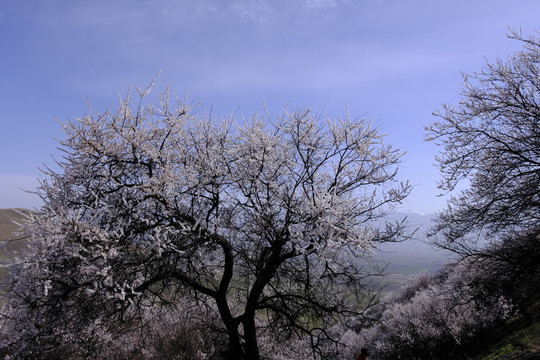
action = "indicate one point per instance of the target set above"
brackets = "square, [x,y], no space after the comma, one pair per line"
[491,150]
[490,146]
[264,224]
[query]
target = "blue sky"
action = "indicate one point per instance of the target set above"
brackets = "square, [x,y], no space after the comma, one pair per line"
[394,61]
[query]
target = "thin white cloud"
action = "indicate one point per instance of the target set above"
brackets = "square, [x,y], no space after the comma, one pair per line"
[320,4]
[258,10]
[272,10]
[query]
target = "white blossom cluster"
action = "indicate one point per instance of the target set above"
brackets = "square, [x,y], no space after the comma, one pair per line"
[264,223]
[433,315]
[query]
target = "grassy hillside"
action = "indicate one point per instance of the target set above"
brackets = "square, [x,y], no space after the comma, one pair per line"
[9,239]
[518,340]
[8,217]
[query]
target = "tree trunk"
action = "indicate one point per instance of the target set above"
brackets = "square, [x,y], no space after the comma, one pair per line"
[234,349]
[251,347]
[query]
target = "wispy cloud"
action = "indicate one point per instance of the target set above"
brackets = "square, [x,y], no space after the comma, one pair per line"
[320,4]
[258,10]
[273,10]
